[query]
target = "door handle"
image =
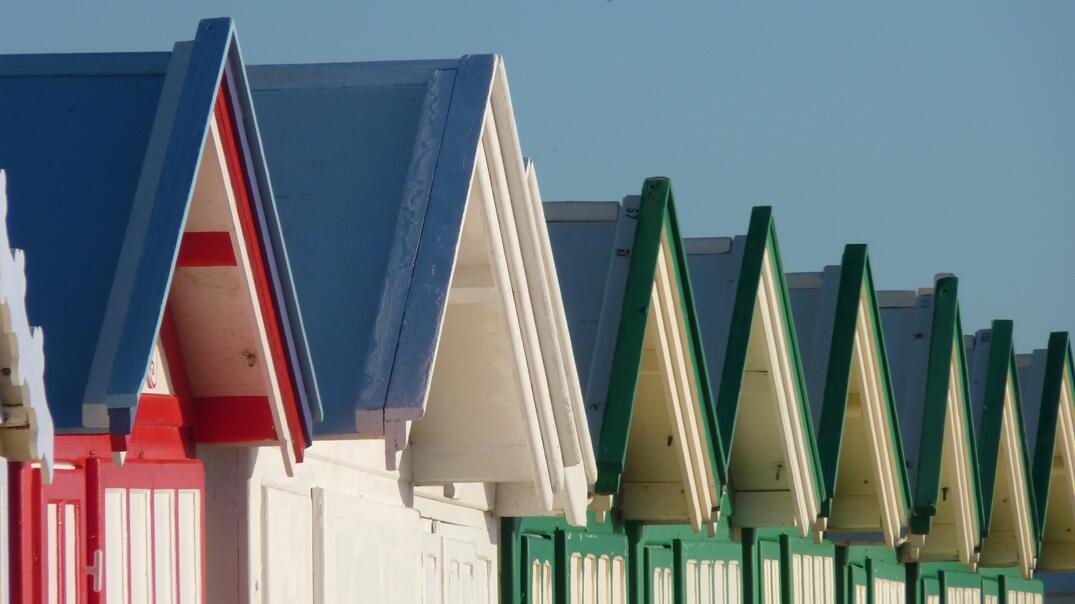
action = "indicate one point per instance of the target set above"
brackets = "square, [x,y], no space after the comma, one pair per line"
[96,570]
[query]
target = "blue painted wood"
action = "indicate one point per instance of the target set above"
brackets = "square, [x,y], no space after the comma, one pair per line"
[152,239]
[109,150]
[813,307]
[371,165]
[77,144]
[441,230]
[269,219]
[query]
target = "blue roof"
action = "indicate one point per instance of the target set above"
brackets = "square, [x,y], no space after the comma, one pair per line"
[107,148]
[371,165]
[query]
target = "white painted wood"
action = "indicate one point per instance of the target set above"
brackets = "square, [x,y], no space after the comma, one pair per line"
[116,546]
[70,554]
[287,546]
[164,547]
[190,546]
[26,432]
[373,535]
[141,548]
[53,561]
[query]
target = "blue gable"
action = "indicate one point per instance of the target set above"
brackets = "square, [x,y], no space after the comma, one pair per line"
[371,166]
[107,148]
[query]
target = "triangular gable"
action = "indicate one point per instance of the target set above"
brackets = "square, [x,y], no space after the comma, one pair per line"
[164,203]
[854,411]
[634,330]
[1048,386]
[750,346]
[416,238]
[1008,512]
[925,352]
[26,431]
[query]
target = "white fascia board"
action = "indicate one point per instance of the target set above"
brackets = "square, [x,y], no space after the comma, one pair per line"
[783,375]
[956,437]
[681,385]
[578,405]
[1011,448]
[867,363]
[29,436]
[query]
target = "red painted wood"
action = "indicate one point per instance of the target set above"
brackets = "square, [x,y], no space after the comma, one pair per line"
[234,419]
[206,249]
[255,245]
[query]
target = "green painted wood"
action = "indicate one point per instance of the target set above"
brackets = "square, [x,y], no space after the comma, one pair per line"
[855,275]
[656,217]
[1058,361]
[947,336]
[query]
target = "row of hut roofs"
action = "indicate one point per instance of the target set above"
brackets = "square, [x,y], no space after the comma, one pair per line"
[428,385]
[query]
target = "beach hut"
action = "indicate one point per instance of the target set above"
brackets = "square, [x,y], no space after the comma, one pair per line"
[924,340]
[26,432]
[1008,513]
[1010,546]
[763,414]
[655,532]
[156,270]
[443,360]
[1048,386]
[867,499]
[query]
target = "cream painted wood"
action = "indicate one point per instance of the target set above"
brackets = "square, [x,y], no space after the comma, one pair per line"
[763,458]
[578,407]
[771,582]
[116,546]
[963,595]
[956,516]
[216,309]
[1011,500]
[595,579]
[190,546]
[344,528]
[712,582]
[867,391]
[504,351]
[1060,527]
[152,545]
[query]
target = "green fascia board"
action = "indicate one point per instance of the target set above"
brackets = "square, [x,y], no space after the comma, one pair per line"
[656,217]
[761,237]
[946,337]
[1058,361]
[856,275]
[1000,369]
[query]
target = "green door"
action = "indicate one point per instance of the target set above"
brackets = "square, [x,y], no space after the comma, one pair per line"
[658,587]
[1014,590]
[931,591]
[596,567]
[990,590]
[857,590]
[960,588]
[769,578]
[708,572]
[887,582]
[539,570]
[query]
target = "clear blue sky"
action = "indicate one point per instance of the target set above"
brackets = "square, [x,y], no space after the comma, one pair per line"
[942,134]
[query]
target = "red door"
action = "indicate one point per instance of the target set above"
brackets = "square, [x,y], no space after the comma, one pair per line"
[62,555]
